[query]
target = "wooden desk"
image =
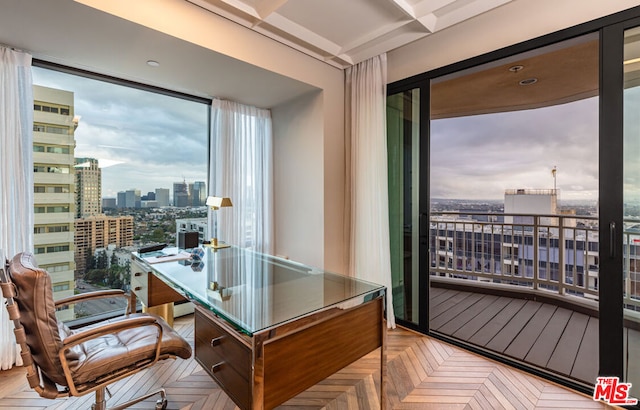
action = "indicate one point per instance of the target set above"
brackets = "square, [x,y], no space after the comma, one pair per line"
[267,329]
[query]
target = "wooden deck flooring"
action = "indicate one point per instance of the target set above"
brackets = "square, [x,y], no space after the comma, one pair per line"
[422,373]
[540,334]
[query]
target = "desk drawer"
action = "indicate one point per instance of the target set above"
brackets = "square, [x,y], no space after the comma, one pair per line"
[140,285]
[224,344]
[236,386]
[225,358]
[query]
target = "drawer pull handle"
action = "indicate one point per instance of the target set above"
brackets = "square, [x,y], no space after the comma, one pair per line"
[216,341]
[138,274]
[216,367]
[137,288]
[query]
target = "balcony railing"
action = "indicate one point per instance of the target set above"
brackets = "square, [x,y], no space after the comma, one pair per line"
[554,254]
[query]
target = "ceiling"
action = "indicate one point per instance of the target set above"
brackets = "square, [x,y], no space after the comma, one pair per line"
[556,74]
[337,32]
[346,32]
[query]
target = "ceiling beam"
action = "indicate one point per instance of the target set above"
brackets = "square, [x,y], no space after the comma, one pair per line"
[304,34]
[265,8]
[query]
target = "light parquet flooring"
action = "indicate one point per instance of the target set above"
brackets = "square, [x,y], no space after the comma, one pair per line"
[422,373]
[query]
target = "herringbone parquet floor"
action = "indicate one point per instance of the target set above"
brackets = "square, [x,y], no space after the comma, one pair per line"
[422,373]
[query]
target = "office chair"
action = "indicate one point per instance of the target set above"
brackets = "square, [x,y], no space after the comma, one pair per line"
[64,362]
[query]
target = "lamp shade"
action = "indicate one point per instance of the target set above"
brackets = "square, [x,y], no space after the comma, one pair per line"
[218,202]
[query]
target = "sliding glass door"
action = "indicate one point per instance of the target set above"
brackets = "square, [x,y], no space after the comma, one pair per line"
[403,143]
[631,212]
[513,226]
[514,182]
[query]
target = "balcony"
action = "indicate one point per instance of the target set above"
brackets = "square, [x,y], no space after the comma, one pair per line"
[527,290]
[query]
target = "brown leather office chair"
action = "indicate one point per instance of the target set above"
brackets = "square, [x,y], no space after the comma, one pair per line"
[65,362]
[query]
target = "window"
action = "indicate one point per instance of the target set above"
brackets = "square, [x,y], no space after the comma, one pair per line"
[57,248]
[60,287]
[57,209]
[128,152]
[58,228]
[58,150]
[63,110]
[51,169]
[52,129]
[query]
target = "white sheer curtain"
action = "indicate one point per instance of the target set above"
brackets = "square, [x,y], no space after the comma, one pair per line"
[16,176]
[242,169]
[370,256]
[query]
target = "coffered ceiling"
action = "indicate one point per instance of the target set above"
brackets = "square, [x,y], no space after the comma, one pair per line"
[346,32]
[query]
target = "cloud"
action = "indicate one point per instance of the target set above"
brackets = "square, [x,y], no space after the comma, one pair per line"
[478,157]
[147,140]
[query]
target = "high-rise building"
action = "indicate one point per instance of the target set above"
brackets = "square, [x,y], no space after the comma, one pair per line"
[162,196]
[88,187]
[132,198]
[180,194]
[99,231]
[108,203]
[199,195]
[54,188]
[129,199]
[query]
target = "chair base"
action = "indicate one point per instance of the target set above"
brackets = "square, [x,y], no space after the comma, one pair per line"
[101,403]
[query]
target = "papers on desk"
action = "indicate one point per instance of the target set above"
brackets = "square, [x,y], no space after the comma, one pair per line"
[168,257]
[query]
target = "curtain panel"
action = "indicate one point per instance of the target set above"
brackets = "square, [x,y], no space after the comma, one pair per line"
[367,184]
[241,168]
[16,176]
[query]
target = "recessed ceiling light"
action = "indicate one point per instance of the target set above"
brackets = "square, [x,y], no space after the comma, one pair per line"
[515,68]
[528,81]
[153,63]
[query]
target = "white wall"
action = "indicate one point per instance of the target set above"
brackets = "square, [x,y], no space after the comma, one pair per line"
[299,179]
[512,23]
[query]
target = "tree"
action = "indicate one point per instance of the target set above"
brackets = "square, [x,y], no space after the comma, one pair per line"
[158,235]
[90,262]
[101,260]
[96,276]
[114,259]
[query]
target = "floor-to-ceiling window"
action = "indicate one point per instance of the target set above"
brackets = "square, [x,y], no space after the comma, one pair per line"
[116,166]
[521,159]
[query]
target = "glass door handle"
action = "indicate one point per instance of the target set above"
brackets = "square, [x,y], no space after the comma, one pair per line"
[612,240]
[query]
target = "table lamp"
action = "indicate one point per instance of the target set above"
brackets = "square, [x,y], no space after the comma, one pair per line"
[217,202]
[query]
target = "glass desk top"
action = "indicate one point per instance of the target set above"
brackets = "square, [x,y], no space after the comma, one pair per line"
[253,291]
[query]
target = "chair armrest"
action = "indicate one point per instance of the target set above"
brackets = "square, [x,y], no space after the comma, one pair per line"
[108,328]
[98,294]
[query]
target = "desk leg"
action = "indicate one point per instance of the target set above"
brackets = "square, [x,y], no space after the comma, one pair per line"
[164,311]
[133,300]
[383,364]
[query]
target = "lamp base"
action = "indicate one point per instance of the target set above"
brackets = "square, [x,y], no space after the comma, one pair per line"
[218,245]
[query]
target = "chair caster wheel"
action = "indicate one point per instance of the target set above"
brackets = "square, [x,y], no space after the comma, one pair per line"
[161,404]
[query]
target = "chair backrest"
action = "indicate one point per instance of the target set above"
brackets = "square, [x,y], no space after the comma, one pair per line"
[34,297]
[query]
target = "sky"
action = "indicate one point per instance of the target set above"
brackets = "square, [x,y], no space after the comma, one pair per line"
[479,157]
[145,141]
[142,140]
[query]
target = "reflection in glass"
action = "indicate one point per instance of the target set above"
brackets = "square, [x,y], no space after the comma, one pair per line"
[256,291]
[403,147]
